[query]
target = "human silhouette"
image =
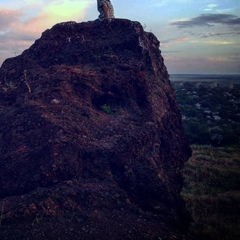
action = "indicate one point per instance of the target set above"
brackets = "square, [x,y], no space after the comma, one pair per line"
[105,9]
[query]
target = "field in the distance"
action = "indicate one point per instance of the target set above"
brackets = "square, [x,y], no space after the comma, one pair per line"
[212,192]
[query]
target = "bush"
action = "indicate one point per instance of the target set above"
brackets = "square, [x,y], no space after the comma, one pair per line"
[197,133]
[212,192]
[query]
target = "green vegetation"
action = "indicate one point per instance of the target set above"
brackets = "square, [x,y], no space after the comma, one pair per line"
[212,192]
[211,113]
[38,218]
[109,110]
[211,117]
[106,108]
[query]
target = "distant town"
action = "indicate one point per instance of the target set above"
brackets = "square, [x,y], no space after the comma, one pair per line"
[215,84]
[210,111]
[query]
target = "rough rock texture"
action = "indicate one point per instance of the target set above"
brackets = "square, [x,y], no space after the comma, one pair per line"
[91,138]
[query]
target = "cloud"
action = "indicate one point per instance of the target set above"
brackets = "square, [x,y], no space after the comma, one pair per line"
[220,43]
[19,28]
[8,18]
[171,52]
[218,59]
[208,20]
[176,40]
[211,7]
[208,35]
[196,65]
[55,12]
[214,42]
[38,16]
[164,44]
[212,34]
[34,3]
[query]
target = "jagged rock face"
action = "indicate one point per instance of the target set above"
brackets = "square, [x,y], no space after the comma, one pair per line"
[91,139]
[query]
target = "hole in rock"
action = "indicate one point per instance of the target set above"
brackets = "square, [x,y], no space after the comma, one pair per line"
[111,101]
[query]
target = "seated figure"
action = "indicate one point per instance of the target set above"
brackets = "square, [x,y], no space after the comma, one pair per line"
[105,9]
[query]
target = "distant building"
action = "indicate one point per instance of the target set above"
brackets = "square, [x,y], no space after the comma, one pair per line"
[207,111]
[216,117]
[198,105]
[229,85]
[198,84]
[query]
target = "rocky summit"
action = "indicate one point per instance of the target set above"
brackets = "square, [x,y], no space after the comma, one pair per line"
[91,139]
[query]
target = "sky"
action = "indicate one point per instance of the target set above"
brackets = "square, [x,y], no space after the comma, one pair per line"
[196,36]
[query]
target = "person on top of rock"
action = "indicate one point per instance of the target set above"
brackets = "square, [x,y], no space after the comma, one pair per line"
[105,8]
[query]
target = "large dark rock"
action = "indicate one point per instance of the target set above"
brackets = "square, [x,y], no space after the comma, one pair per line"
[91,138]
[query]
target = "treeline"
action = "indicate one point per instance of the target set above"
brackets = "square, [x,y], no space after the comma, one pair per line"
[199,132]
[210,115]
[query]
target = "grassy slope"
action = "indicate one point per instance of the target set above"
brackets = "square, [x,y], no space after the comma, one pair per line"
[212,192]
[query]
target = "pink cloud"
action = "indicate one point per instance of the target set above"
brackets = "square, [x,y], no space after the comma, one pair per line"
[218,59]
[166,43]
[8,18]
[196,65]
[55,12]
[17,33]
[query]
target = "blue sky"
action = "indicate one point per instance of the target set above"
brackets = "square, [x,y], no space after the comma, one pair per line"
[196,36]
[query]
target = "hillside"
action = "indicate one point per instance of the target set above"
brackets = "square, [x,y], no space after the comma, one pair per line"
[212,192]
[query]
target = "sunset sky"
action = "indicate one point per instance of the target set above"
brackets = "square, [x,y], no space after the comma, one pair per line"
[197,36]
